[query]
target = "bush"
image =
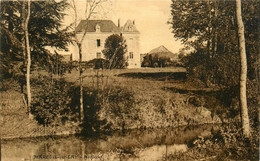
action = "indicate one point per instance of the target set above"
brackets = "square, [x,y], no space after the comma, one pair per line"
[51,104]
[104,110]
[225,144]
[155,61]
[56,101]
[98,63]
[222,72]
[118,107]
[228,143]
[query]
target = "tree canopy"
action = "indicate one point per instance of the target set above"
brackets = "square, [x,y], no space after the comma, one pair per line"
[115,49]
[45,29]
[210,28]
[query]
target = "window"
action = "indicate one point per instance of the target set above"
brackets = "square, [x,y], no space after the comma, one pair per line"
[97,28]
[98,55]
[98,43]
[131,55]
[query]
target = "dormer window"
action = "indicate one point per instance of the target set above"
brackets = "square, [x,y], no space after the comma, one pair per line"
[97,28]
[130,28]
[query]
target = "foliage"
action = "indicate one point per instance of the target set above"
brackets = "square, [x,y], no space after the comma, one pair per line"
[219,71]
[156,61]
[51,102]
[228,143]
[253,98]
[115,49]
[225,144]
[45,29]
[56,101]
[103,108]
[213,37]
[11,46]
[118,107]
[57,65]
[98,63]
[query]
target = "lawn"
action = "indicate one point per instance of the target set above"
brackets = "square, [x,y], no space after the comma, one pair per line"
[143,80]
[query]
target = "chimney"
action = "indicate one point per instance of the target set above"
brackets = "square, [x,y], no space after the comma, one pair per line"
[118,25]
[134,22]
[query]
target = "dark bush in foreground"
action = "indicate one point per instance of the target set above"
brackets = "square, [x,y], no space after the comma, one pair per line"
[226,144]
[115,101]
[51,104]
[57,101]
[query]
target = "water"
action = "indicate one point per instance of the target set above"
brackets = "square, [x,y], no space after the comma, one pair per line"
[149,144]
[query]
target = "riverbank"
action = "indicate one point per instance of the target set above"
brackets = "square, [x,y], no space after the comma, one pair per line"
[228,144]
[15,122]
[124,101]
[132,144]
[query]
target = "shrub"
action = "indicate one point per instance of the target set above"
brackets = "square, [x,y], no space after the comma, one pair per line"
[225,144]
[118,107]
[104,110]
[98,63]
[156,61]
[222,71]
[51,100]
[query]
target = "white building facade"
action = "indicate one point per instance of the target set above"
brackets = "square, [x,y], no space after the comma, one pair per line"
[97,31]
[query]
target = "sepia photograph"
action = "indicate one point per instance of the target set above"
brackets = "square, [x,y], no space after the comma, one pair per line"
[129,80]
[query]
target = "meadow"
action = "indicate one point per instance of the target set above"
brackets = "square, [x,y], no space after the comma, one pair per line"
[143,96]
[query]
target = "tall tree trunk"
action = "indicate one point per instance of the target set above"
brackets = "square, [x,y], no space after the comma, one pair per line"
[80,84]
[243,74]
[24,56]
[79,44]
[29,96]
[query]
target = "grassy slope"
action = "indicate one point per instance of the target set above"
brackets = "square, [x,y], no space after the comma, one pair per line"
[14,121]
[149,92]
[158,106]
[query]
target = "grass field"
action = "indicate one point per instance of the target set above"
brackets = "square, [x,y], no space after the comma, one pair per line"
[147,80]
[153,88]
[143,80]
[157,98]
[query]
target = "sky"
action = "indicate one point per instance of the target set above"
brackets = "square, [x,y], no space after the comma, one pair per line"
[150,17]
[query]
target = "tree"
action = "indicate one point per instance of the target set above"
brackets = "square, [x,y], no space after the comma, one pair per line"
[26,29]
[11,45]
[28,51]
[210,19]
[115,49]
[146,61]
[44,28]
[243,75]
[210,28]
[90,10]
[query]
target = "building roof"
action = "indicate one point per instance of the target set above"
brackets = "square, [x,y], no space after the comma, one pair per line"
[162,51]
[106,26]
[129,26]
[159,50]
[90,26]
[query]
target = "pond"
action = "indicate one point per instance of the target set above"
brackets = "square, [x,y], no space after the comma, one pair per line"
[148,144]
